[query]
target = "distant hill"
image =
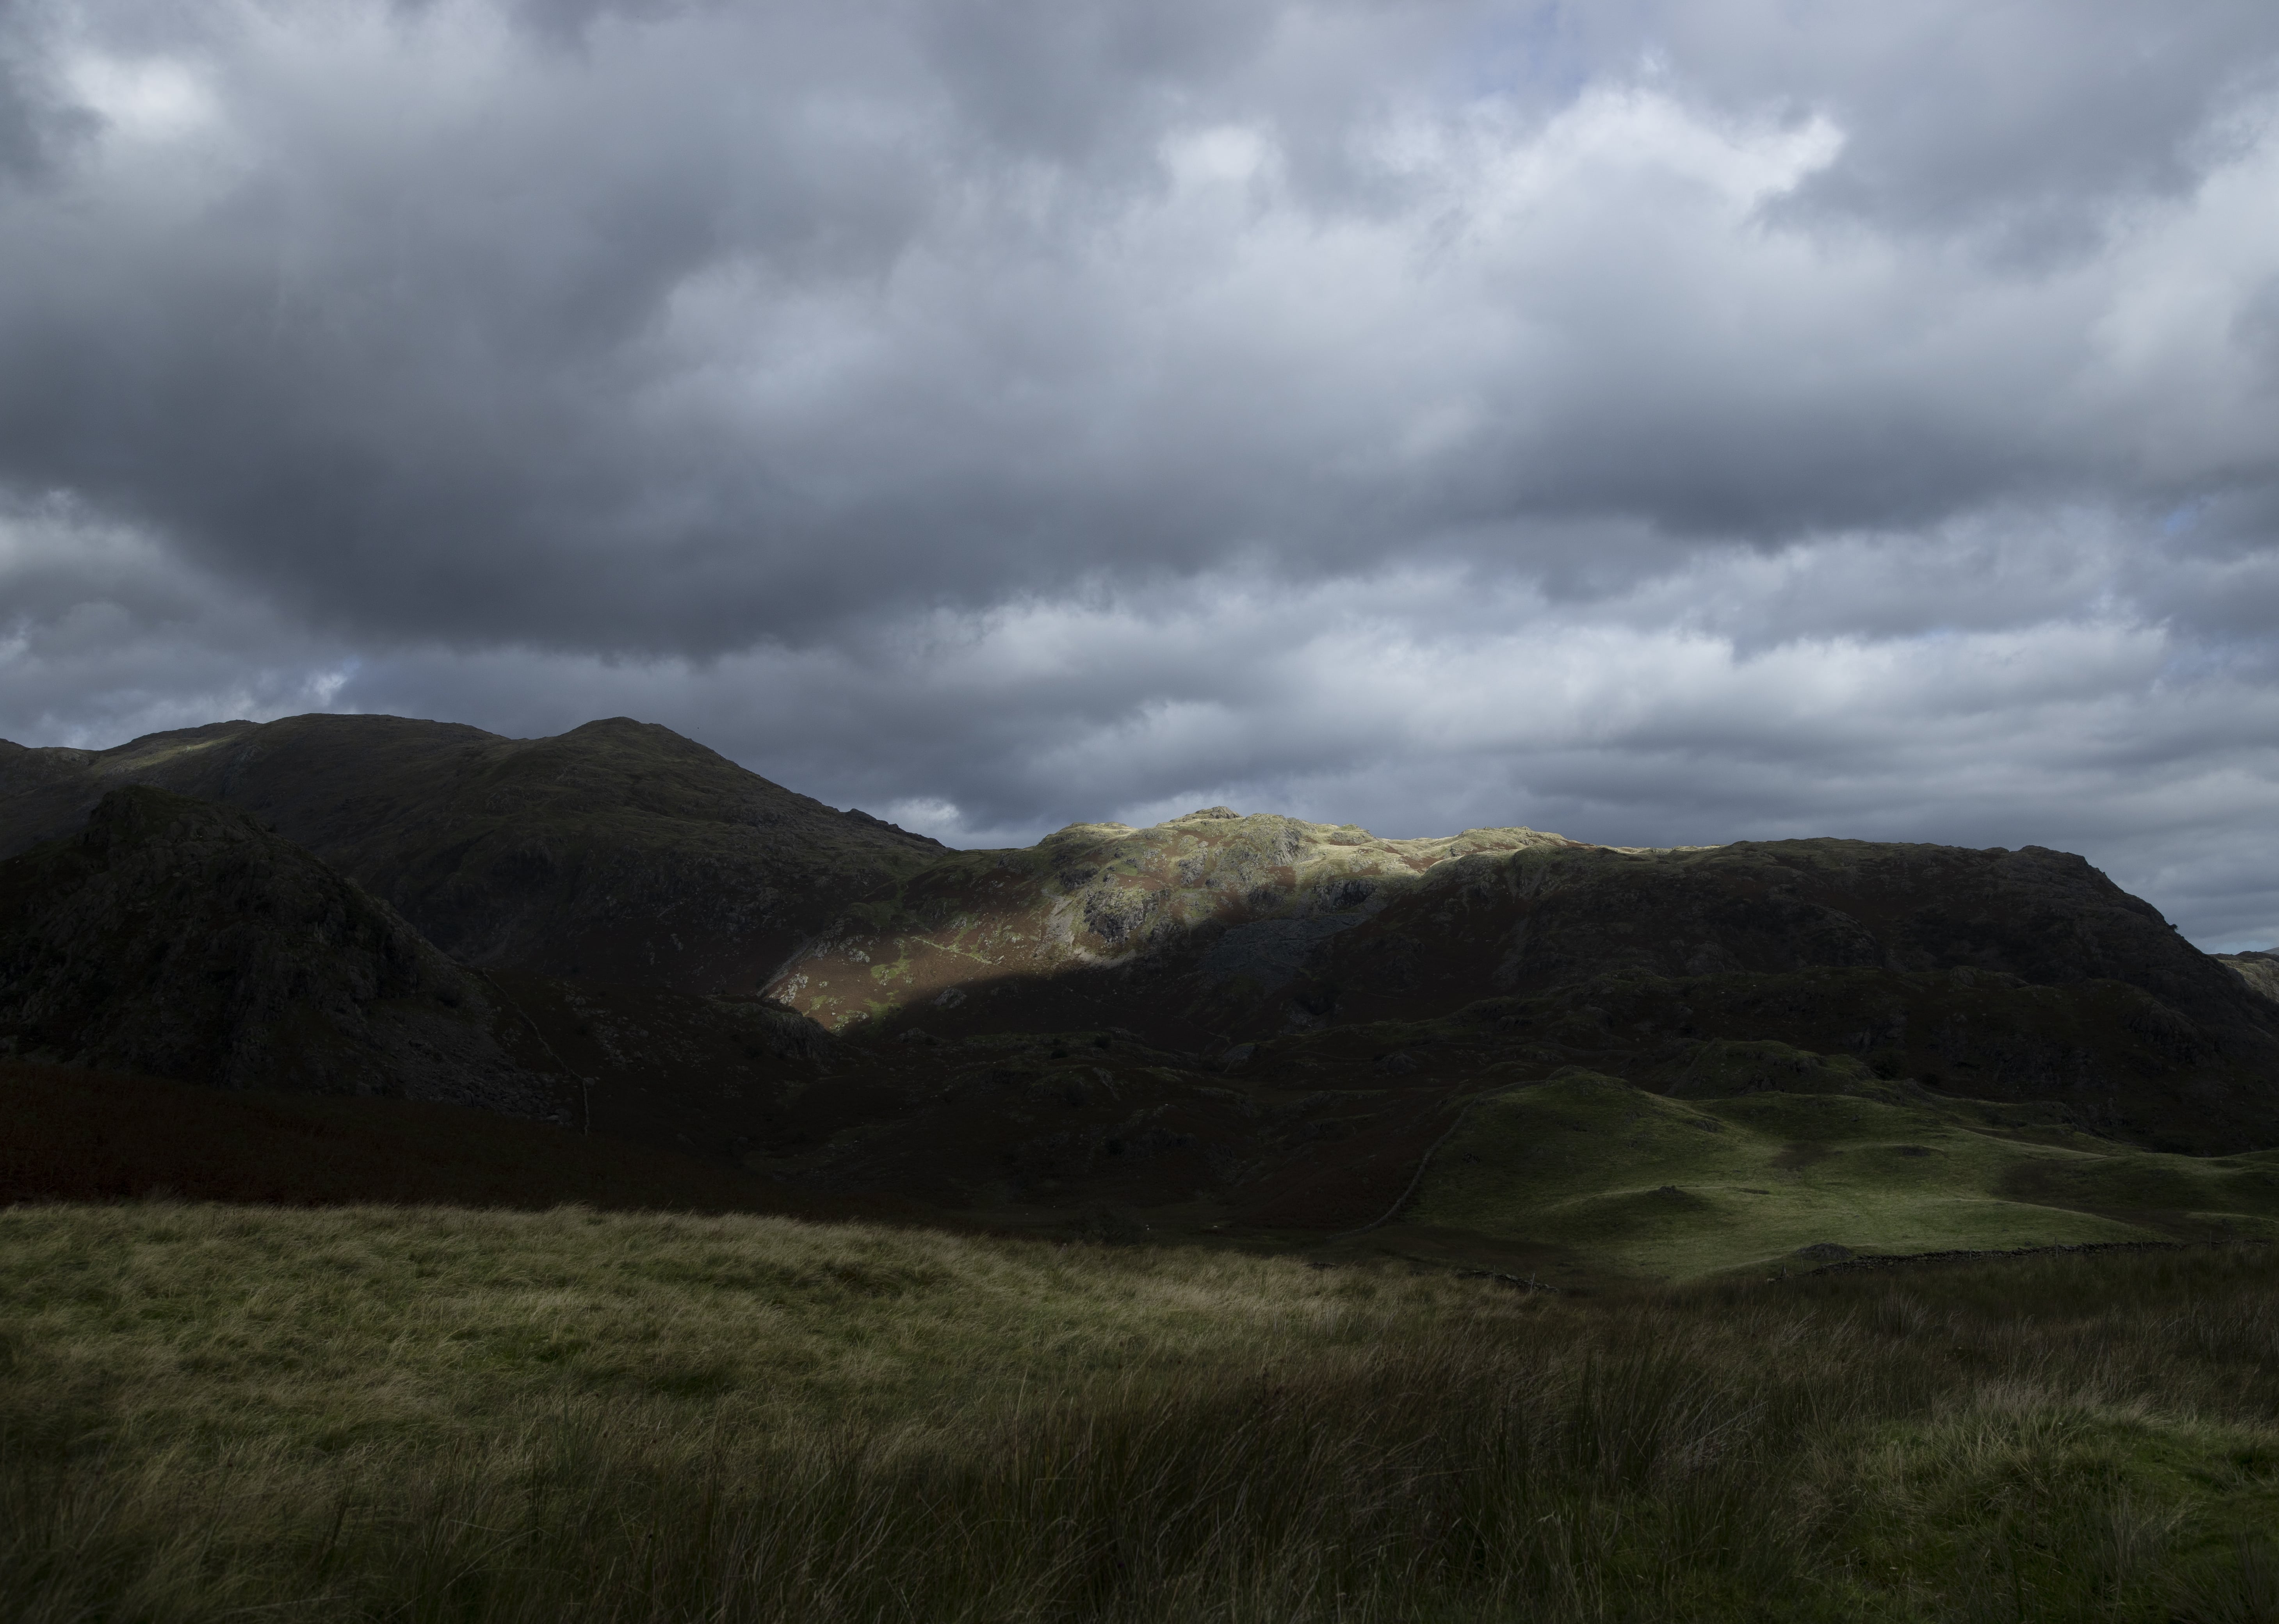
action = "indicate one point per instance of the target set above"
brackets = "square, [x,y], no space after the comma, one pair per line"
[618,850]
[1220,1024]
[180,941]
[1998,973]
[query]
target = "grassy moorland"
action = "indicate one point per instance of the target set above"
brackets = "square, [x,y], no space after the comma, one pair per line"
[1619,1180]
[212,1413]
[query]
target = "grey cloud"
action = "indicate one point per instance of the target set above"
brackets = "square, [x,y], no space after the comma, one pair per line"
[22,150]
[1361,702]
[2064,736]
[38,128]
[1061,83]
[2018,121]
[1659,421]
[710,325]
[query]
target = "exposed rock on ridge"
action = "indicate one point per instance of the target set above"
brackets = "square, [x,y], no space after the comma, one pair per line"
[1263,922]
[1995,973]
[1231,902]
[2259,970]
[1366,981]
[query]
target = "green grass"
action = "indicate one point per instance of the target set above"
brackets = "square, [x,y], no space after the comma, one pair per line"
[1635,1183]
[212,1412]
[336,1328]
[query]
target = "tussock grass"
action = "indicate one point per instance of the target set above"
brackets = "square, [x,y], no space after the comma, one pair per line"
[209,1413]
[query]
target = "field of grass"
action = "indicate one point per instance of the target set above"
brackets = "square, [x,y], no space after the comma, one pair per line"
[1620,1180]
[210,1413]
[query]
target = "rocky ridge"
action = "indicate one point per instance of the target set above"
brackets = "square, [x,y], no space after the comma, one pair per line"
[1217,901]
[2002,974]
[1250,1020]
[2259,970]
[618,850]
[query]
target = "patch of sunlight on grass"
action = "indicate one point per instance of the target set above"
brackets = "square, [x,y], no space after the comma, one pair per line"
[1638,1182]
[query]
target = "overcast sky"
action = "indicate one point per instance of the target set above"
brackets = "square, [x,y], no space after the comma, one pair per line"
[1656,422]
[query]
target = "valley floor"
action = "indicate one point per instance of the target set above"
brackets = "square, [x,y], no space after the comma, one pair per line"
[213,1412]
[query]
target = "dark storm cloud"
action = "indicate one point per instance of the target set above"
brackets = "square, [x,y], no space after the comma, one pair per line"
[2024,121]
[662,329]
[38,124]
[1665,421]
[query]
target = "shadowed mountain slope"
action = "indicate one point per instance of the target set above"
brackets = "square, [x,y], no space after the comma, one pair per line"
[1224,1024]
[620,850]
[172,941]
[173,937]
[2014,974]
[180,939]
[76,1135]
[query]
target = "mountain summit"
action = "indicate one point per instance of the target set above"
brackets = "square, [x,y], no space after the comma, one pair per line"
[618,850]
[1229,1018]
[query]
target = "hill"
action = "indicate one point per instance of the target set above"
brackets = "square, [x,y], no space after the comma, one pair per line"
[618,850]
[177,938]
[1996,974]
[180,939]
[1599,1176]
[1223,1026]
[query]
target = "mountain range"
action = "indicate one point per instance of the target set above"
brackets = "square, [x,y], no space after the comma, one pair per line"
[1247,1025]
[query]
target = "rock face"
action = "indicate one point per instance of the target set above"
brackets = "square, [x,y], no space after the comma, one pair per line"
[1229,927]
[1183,931]
[678,950]
[2259,970]
[175,938]
[1997,974]
[619,851]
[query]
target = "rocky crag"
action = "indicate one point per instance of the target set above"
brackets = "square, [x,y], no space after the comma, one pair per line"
[1251,1022]
[175,938]
[1997,974]
[2259,970]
